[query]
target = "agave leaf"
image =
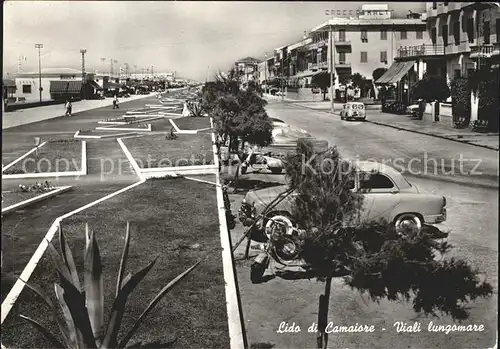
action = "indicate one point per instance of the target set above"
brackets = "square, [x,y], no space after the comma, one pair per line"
[68,258]
[76,305]
[58,262]
[46,333]
[118,308]
[74,335]
[93,283]
[153,303]
[38,290]
[123,261]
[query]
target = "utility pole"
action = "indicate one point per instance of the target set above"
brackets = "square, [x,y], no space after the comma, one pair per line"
[39,46]
[83,51]
[152,72]
[332,68]
[282,76]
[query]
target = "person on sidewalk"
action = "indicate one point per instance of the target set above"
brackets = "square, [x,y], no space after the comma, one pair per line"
[115,102]
[69,107]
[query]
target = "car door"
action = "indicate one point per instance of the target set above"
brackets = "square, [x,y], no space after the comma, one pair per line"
[380,196]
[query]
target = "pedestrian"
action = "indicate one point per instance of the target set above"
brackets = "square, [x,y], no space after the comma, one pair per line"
[68,108]
[115,102]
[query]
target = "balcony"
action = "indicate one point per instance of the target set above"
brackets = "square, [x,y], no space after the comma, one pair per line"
[412,52]
[316,45]
[342,65]
[485,51]
[342,43]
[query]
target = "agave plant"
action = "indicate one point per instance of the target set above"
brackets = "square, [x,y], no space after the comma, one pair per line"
[195,109]
[82,321]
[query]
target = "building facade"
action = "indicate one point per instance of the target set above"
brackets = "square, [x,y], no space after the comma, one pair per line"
[248,69]
[361,44]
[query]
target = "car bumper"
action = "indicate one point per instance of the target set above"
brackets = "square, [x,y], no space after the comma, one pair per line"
[435,219]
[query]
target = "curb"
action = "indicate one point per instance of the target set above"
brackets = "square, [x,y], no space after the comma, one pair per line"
[430,134]
[22,204]
[237,334]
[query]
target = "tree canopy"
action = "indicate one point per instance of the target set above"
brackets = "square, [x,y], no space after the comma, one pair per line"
[431,88]
[377,73]
[237,113]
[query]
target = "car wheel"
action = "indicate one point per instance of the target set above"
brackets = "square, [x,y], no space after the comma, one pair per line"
[408,224]
[279,220]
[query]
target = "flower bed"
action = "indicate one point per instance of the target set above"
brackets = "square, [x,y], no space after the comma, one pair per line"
[180,233]
[55,156]
[186,150]
[192,123]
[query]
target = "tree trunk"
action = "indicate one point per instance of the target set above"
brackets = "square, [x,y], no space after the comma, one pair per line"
[322,338]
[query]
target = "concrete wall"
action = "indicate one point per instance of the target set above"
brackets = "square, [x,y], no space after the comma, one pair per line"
[304,94]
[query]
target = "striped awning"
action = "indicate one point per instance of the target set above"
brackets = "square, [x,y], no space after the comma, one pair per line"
[58,86]
[395,72]
[74,87]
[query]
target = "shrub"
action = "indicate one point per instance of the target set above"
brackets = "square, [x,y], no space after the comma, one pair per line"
[488,104]
[82,324]
[431,88]
[460,93]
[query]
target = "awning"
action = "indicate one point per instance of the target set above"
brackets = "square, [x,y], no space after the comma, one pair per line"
[58,86]
[75,86]
[304,74]
[395,72]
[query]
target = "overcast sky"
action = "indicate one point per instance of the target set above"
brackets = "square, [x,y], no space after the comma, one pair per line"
[193,38]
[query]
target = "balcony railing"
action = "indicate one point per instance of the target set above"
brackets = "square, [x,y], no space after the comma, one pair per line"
[342,65]
[485,50]
[419,51]
[342,43]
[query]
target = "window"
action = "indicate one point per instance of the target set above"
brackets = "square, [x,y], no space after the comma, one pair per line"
[341,57]
[364,57]
[446,3]
[26,88]
[383,56]
[470,29]
[364,35]
[486,32]
[456,32]
[342,35]
[444,34]
[375,181]
[434,35]
[434,5]
[404,35]
[420,34]
[498,29]
[457,73]
[383,34]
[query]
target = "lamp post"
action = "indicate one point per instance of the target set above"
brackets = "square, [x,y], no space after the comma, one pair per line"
[83,51]
[332,67]
[265,73]
[39,46]
[282,76]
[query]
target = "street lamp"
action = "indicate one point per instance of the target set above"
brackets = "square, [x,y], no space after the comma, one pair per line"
[83,51]
[265,73]
[39,46]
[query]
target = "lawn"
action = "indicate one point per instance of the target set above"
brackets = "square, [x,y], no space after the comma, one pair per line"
[174,219]
[192,123]
[187,150]
[10,198]
[55,156]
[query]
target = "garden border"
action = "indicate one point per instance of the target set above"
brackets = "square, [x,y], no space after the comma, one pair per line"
[236,324]
[22,157]
[77,135]
[18,287]
[178,130]
[47,195]
[139,129]
[130,122]
[82,172]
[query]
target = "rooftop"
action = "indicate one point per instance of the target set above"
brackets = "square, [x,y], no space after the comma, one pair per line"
[249,60]
[367,22]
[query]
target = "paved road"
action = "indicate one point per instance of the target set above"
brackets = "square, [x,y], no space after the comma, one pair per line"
[472,219]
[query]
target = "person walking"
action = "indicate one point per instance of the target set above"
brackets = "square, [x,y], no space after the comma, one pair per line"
[68,108]
[115,102]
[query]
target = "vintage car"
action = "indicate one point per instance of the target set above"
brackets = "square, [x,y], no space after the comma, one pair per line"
[353,110]
[387,195]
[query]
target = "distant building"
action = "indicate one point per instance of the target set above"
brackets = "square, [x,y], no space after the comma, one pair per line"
[248,68]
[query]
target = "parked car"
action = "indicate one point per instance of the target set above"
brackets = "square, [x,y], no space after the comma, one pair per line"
[387,195]
[413,109]
[353,110]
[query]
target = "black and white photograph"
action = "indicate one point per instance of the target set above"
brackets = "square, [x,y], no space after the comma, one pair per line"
[250,174]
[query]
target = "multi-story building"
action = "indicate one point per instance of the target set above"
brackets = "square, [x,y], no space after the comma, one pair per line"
[360,44]
[247,68]
[462,36]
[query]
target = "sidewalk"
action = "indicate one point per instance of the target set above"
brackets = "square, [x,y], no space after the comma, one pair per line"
[27,116]
[317,105]
[436,129]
